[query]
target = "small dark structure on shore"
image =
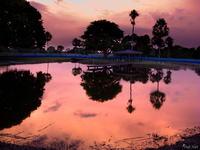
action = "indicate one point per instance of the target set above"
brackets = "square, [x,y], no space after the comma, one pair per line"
[127,54]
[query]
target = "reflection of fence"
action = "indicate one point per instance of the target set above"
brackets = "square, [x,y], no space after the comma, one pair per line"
[99,57]
[108,66]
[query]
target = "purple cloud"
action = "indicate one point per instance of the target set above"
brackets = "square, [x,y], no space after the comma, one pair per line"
[84,115]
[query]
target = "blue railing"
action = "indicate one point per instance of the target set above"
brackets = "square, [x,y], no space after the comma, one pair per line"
[100,57]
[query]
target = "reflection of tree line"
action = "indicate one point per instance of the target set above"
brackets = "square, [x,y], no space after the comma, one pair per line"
[103,85]
[20,94]
[76,70]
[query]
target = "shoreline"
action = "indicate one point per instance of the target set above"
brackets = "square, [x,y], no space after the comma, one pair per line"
[190,143]
[136,64]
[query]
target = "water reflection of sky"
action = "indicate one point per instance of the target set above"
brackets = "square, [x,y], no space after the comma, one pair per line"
[67,112]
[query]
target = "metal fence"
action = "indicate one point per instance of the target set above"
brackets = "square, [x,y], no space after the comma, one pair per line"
[99,57]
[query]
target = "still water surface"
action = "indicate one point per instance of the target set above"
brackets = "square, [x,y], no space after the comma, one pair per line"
[110,107]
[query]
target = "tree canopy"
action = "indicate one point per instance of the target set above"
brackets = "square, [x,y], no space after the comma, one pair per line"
[104,36]
[21,25]
[101,86]
[160,30]
[133,14]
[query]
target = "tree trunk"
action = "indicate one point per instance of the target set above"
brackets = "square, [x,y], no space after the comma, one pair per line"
[168,52]
[105,54]
[159,51]
[132,38]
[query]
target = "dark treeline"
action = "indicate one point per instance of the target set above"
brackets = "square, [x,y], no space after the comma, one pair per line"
[144,44]
[21,27]
[22,31]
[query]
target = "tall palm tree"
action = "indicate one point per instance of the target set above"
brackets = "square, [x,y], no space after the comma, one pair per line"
[169,41]
[133,14]
[160,30]
[48,37]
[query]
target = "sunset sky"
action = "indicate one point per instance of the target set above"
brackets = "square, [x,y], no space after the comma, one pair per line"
[68,19]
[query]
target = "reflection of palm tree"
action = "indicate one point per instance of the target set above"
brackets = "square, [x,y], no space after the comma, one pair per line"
[168,79]
[133,14]
[130,108]
[157,98]
[76,71]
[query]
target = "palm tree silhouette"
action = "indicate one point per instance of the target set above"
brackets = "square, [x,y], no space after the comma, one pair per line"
[133,14]
[48,37]
[169,41]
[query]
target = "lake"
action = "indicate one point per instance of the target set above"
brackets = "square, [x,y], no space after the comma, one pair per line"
[66,105]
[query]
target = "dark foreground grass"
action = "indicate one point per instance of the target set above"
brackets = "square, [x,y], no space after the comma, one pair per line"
[189,143]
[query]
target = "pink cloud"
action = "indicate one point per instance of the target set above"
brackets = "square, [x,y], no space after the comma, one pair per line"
[39,6]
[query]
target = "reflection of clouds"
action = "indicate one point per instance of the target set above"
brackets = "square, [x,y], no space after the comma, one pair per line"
[53,108]
[84,115]
[187,89]
[177,93]
[175,99]
[176,96]
[140,124]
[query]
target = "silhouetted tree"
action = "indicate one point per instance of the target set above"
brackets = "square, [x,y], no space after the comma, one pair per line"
[21,93]
[169,41]
[77,43]
[101,86]
[126,41]
[21,25]
[102,35]
[48,37]
[60,48]
[160,30]
[143,44]
[51,49]
[133,14]
[196,53]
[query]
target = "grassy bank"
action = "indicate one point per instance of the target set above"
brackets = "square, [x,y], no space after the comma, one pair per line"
[31,60]
[136,63]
